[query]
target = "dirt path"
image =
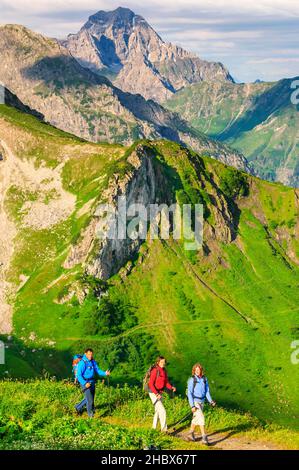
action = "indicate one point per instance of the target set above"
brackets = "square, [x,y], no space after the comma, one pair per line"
[226,441]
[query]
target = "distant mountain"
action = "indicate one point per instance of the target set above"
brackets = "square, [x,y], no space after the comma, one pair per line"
[123,46]
[258,119]
[44,75]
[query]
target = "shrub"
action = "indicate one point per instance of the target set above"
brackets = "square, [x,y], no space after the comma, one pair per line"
[233,183]
[110,317]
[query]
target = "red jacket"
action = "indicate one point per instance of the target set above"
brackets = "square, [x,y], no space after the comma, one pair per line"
[158,380]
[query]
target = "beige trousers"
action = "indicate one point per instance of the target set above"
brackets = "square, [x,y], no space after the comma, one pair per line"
[198,416]
[160,412]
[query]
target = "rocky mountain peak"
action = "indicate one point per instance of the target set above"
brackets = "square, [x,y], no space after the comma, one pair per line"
[120,17]
[123,46]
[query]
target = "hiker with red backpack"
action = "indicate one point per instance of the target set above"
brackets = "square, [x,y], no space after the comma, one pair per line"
[86,369]
[198,391]
[156,380]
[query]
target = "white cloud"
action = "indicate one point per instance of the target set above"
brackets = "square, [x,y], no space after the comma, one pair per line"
[278,7]
[275,60]
[202,35]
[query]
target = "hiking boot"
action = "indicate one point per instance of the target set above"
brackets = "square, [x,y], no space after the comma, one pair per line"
[192,437]
[205,440]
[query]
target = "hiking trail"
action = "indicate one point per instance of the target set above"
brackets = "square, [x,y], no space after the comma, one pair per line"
[228,441]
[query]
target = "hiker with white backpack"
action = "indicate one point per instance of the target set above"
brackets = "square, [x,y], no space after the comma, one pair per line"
[85,370]
[198,391]
[155,382]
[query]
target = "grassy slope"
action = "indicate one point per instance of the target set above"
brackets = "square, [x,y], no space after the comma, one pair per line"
[256,119]
[41,416]
[248,362]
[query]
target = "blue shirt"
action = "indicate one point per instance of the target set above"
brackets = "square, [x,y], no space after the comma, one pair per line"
[201,391]
[87,370]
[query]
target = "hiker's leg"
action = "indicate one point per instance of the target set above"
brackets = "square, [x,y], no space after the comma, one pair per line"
[193,426]
[199,419]
[89,402]
[156,415]
[155,419]
[201,423]
[80,406]
[162,415]
[93,392]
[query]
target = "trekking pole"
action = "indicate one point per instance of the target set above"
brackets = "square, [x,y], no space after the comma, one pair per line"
[181,420]
[109,393]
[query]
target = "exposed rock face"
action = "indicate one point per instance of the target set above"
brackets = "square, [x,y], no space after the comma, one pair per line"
[125,47]
[138,187]
[103,257]
[45,76]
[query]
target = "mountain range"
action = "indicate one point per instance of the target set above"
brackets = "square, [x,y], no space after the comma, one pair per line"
[258,119]
[116,80]
[45,76]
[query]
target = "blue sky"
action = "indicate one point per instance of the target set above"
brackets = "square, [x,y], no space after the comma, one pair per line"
[254,39]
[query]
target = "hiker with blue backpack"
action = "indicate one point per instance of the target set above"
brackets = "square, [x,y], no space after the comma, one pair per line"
[85,370]
[198,391]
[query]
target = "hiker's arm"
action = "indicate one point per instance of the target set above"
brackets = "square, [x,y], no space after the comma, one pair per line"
[99,371]
[151,382]
[80,377]
[208,394]
[190,393]
[168,385]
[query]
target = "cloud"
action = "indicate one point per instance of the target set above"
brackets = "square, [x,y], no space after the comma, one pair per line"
[203,35]
[251,38]
[278,7]
[275,60]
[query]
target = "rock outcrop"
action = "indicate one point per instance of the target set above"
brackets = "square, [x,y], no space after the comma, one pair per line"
[102,254]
